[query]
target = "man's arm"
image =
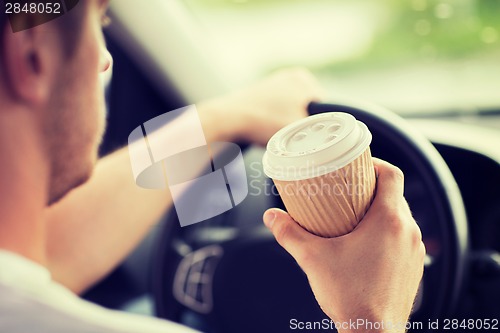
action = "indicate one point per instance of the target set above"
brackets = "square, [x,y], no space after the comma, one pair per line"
[96,226]
[373,272]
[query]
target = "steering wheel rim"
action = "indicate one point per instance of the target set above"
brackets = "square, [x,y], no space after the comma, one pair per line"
[446,272]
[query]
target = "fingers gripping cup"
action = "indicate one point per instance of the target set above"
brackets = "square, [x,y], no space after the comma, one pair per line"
[323,170]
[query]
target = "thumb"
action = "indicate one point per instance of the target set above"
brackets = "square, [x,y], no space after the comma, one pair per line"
[291,236]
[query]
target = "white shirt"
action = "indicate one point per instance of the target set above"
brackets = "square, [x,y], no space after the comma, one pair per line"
[31,302]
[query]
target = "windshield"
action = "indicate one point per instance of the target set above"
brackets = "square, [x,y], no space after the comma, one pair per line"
[413,56]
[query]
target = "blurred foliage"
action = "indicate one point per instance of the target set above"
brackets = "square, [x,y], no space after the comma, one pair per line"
[431,30]
[424,29]
[445,28]
[228,3]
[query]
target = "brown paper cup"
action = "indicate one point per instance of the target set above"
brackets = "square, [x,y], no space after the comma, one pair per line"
[323,170]
[333,204]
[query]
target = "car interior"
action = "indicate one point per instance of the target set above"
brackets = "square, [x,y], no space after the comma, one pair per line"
[423,75]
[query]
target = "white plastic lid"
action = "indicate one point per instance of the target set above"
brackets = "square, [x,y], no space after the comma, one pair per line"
[315,146]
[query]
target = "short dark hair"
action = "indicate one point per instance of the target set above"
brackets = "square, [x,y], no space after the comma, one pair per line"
[70,24]
[3,18]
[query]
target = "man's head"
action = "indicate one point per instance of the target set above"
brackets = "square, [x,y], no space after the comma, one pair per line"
[52,74]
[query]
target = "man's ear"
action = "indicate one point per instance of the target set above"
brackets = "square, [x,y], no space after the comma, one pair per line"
[25,58]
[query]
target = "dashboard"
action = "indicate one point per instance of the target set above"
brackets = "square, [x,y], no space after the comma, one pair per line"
[471,148]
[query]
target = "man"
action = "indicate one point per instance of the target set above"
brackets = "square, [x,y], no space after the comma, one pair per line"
[64,224]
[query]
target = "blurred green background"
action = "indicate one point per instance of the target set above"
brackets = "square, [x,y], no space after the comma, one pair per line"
[413,47]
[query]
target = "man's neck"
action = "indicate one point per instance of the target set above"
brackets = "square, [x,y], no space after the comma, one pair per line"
[23,189]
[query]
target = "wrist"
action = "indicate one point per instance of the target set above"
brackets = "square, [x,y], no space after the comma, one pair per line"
[219,121]
[362,325]
[371,321]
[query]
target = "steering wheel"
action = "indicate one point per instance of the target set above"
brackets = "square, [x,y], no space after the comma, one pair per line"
[228,274]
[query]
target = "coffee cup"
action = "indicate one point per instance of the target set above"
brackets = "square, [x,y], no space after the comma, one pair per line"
[323,170]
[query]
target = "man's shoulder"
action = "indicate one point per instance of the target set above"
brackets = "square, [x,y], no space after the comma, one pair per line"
[22,313]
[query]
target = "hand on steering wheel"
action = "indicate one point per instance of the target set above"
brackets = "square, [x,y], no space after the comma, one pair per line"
[251,284]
